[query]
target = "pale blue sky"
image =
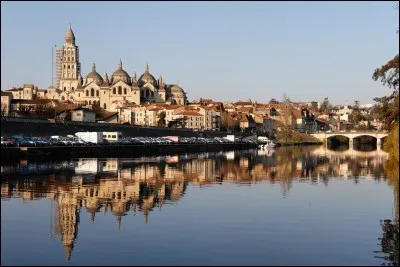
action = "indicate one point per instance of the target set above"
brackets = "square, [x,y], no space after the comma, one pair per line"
[221,50]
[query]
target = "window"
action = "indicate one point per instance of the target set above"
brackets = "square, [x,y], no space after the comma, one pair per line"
[73,88]
[104,92]
[73,67]
[65,88]
[72,58]
[87,92]
[97,93]
[104,105]
[78,114]
[69,58]
[69,67]
[119,90]
[114,91]
[79,95]
[62,98]
[64,66]
[124,91]
[92,92]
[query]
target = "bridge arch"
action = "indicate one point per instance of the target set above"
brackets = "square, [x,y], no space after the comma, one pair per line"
[370,142]
[338,141]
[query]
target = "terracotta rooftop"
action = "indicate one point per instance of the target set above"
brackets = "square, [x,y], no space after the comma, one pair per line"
[189,113]
[6,93]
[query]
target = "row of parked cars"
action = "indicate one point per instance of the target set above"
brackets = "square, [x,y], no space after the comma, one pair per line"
[17,141]
[182,140]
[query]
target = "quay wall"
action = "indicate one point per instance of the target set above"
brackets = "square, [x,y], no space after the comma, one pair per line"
[43,128]
[15,154]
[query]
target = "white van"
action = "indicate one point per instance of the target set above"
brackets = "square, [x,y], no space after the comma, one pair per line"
[91,137]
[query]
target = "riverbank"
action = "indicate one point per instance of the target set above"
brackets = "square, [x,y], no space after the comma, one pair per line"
[43,128]
[302,139]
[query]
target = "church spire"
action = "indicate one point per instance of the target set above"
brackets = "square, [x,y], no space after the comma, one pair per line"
[94,67]
[68,251]
[120,64]
[160,83]
[70,36]
[147,68]
[134,78]
[119,222]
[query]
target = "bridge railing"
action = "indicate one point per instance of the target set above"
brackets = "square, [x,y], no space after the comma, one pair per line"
[348,131]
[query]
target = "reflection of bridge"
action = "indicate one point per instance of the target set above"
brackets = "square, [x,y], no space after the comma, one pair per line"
[352,135]
[349,152]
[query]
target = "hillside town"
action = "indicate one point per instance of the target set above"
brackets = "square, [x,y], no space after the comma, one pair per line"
[201,115]
[150,102]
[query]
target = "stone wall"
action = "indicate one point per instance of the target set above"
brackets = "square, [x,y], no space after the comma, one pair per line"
[44,128]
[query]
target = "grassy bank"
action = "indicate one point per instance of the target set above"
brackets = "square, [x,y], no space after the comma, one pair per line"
[297,139]
[392,164]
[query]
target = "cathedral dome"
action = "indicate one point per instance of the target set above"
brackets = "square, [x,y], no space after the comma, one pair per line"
[176,89]
[146,77]
[121,75]
[94,76]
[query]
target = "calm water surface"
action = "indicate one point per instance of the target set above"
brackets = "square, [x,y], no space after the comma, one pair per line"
[306,206]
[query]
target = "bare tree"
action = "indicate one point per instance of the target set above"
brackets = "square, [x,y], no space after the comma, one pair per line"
[286,129]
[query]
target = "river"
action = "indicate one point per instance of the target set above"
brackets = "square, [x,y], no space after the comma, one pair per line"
[289,206]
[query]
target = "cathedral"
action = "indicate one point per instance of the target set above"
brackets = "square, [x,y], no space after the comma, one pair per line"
[107,92]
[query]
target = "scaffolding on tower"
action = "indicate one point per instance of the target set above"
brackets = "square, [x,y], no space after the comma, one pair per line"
[59,59]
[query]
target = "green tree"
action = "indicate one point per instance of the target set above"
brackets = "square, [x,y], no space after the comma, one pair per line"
[273,101]
[314,106]
[356,114]
[44,108]
[24,109]
[177,123]
[325,105]
[161,119]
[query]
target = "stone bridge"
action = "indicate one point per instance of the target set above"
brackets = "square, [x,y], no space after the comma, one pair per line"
[323,151]
[351,135]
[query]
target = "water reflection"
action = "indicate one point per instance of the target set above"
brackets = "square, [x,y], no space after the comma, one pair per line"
[389,243]
[138,186]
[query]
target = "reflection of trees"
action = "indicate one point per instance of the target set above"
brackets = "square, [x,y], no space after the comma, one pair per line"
[389,243]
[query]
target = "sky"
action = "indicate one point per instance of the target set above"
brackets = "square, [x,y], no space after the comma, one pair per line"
[227,51]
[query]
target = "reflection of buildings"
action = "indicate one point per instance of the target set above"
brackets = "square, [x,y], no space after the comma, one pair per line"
[128,187]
